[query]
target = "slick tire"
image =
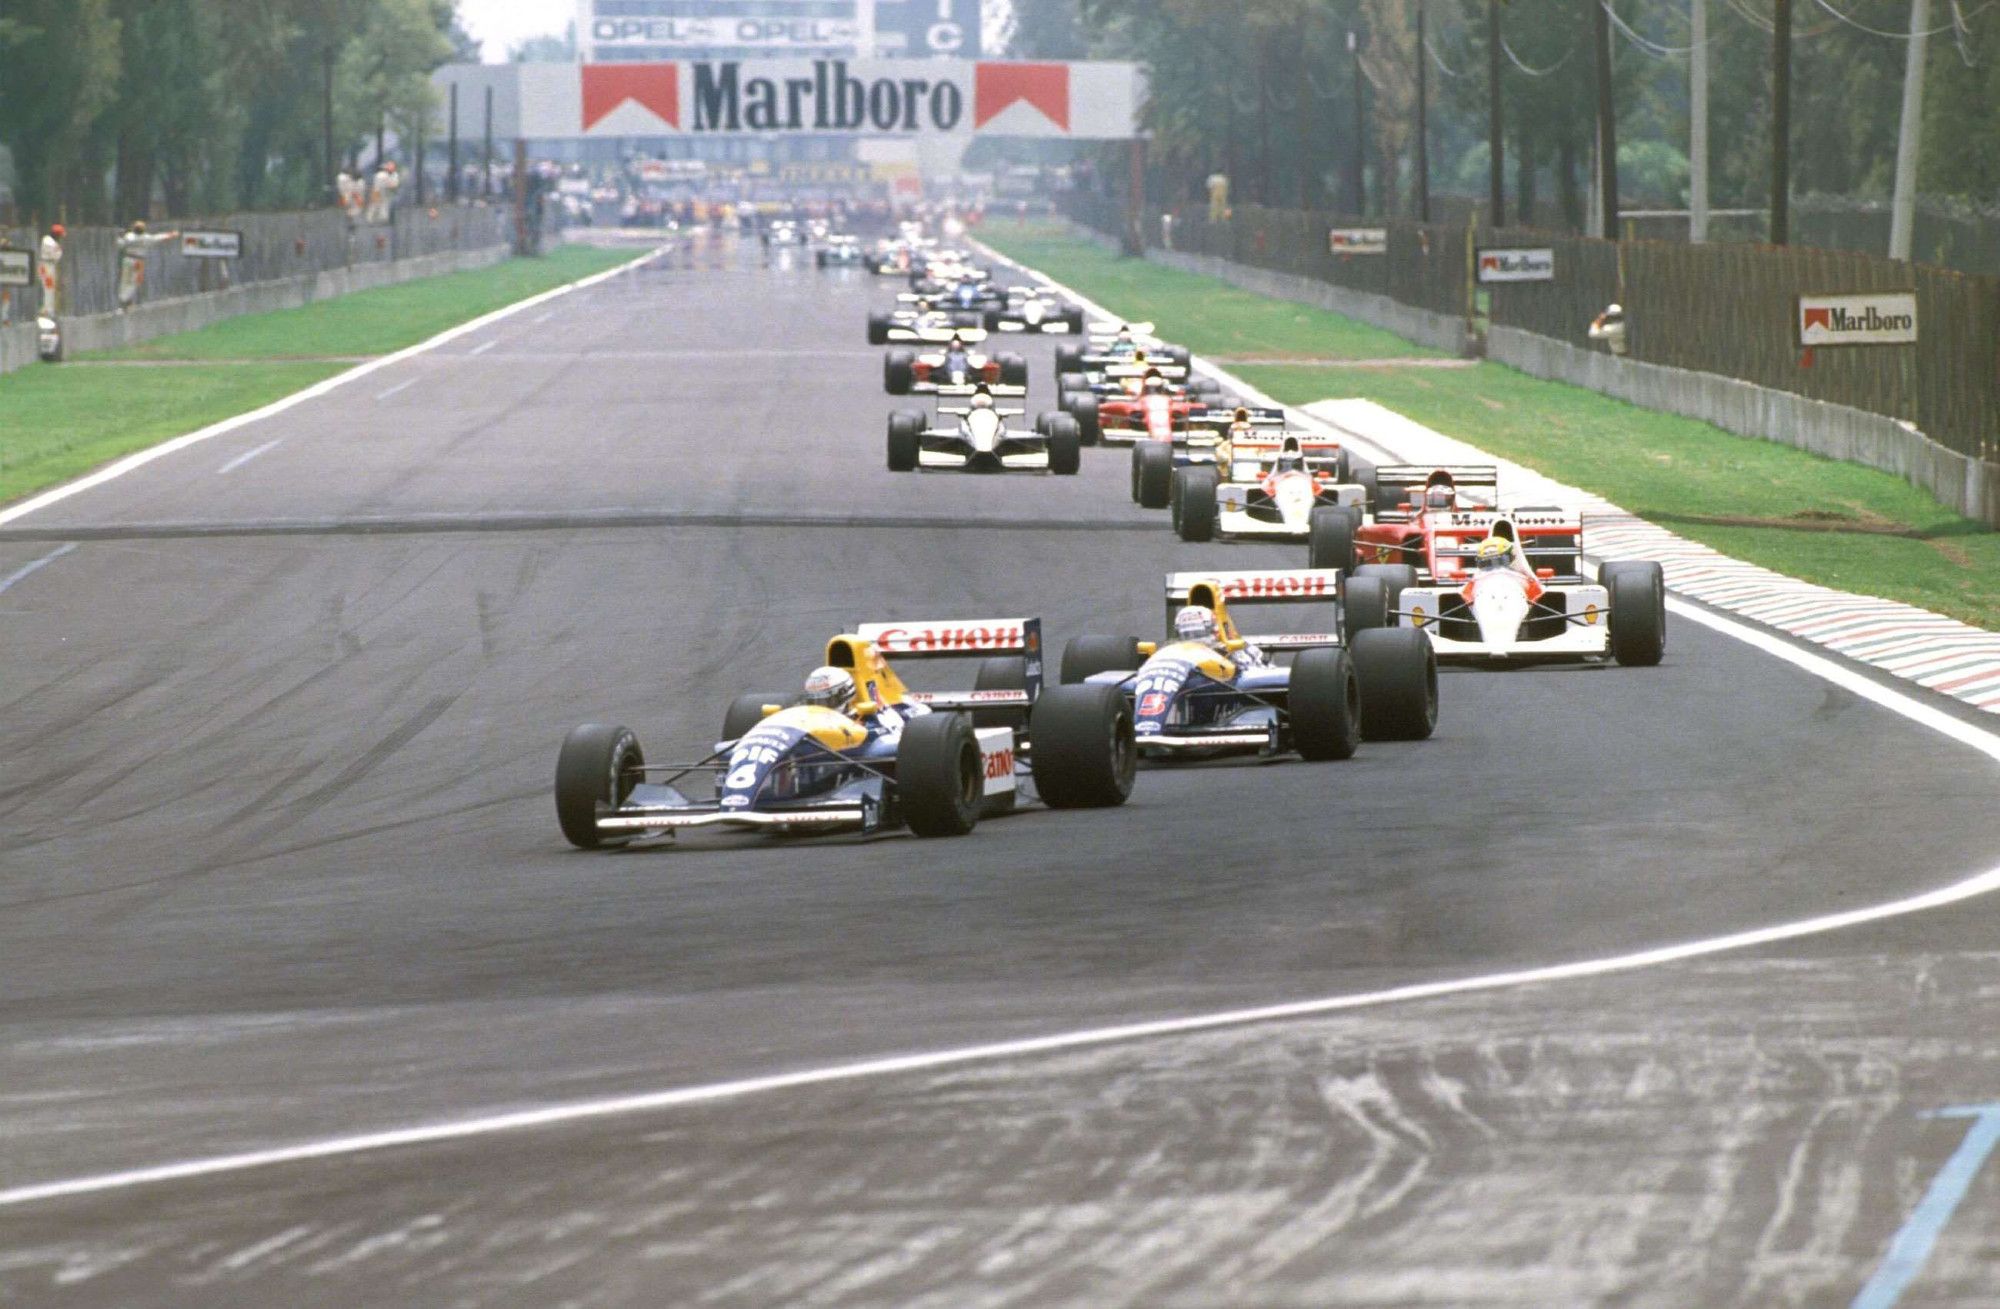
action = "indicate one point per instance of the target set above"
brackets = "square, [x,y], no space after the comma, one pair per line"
[1176,354]
[992,321]
[1069,359]
[1365,607]
[1204,386]
[1638,611]
[878,329]
[1330,538]
[1323,704]
[1013,370]
[1083,755]
[1156,474]
[595,767]
[1073,319]
[1371,489]
[897,370]
[1397,671]
[1197,519]
[940,778]
[905,440]
[1085,657]
[1001,673]
[1083,408]
[746,711]
[1065,445]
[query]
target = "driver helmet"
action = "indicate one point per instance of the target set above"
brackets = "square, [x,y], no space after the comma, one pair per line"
[1153,381]
[828,687]
[1439,495]
[923,305]
[1496,552]
[982,399]
[1290,456]
[1194,623]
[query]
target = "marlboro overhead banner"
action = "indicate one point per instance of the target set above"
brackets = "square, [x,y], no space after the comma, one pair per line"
[771,97]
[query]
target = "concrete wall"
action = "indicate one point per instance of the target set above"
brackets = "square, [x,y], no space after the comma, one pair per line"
[1438,331]
[1969,486]
[187,313]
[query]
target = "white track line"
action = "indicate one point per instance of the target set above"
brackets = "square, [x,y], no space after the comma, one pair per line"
[27,570]
[1837,672]
[313,392]
[403,385]
[482,349]
[246,457]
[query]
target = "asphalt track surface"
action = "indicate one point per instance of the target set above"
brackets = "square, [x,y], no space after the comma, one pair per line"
[278,863]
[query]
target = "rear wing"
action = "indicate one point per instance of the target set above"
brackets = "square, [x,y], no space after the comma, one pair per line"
[1166,370]
[1266,586]
[1462,475]
[1261,416]
[1112,329]
[944,335]
[996,389]
[960,638]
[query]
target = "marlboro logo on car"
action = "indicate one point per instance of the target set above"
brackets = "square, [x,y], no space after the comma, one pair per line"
[1518,265]
[1879,318]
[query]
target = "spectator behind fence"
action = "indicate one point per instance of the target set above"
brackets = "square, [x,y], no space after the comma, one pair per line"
[133,248]
[382,193]
[1609,327]
[51,269]
[351,194]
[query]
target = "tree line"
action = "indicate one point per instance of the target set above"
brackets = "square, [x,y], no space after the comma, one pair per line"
[1266,91]
[111,108]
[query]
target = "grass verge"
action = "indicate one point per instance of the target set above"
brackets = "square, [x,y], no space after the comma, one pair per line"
[59,422]
[379,320]
[1837,524]
[1230,324]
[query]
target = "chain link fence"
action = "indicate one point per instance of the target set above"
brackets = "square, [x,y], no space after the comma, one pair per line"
[276,246]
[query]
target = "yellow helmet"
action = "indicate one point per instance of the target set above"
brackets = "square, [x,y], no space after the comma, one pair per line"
[1496,550]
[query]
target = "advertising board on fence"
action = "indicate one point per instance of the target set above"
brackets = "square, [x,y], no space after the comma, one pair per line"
[17,267]
[1358,240]
[211,244]
[1523,264]
[1880,318]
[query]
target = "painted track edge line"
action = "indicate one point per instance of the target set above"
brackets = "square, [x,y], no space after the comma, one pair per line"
[139,458]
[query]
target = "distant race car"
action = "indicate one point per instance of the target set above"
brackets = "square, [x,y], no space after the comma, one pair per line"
[1121,404]
[1177,437]
[935,763]
[840,252]
[952,363]
[974,437]
[1269,488]
[1196,699]
[1030,309]
[917,318]
[784,231]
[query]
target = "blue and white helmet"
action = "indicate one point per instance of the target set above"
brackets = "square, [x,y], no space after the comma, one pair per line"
[1195,623]
[828,687]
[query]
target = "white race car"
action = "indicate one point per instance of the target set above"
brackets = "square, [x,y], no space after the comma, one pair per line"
[1264,484]
[974,437]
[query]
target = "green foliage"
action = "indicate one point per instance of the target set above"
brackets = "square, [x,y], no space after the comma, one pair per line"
[116,108]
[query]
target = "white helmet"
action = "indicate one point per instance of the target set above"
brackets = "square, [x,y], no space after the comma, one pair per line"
[828,687]
[1195,623]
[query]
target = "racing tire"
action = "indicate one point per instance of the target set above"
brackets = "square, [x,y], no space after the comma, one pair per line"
[1065,445]
[1371,489]
[897,370]
[1197,516]
[1001,673]
[1176,355]
[1083,408]
[1204,386]
[1013,370]
[1083,755]
[878,329]
[1638,617]
[1069,359]
[1084,657]
[1397,671]
[746,711]
[1398,577]
[992,320]
[595,767]
[940,777]
[966,318]
[1156,473]
[1072,382]
[906,440]
[1073,318]
[1365,607]
[1330,538]
[1323,705]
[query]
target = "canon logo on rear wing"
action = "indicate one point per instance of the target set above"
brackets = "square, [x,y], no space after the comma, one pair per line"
[1273,584]
[999,635]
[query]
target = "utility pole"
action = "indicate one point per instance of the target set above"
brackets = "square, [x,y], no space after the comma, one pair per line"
[1607,120]
[486,151]
[451,151]
[326,116]
[1358,189]
[1698,124]
[1423,122]
[423,122]
[1781,122]
[1496,154]
[1903,214]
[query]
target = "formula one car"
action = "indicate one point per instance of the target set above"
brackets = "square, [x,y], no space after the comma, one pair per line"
[975,438]
[1176,439]
[974,296]
[953,363]
[840,252]
[1117,343]
[917,318]
[784,231]
[1124,403]
[1208,698]
[1265,490]
[935,763]
[1030,309]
